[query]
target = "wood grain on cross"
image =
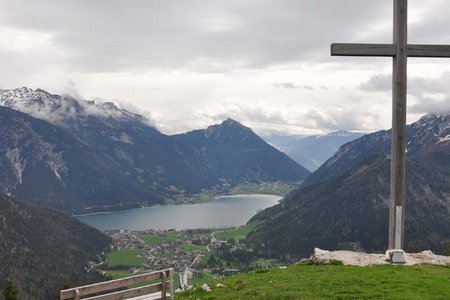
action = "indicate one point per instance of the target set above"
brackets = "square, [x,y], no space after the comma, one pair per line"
[399,50]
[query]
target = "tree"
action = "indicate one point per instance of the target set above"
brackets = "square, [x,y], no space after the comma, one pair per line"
[447,249]
[10,292]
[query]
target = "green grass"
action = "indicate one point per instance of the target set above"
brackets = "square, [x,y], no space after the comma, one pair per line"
[205,258]
[167,253]
[204,197]
[237,234]
[153,240]
[199,280]
[266,263]
[269,188]
[333,282]
[117,274]
[193,248]
[125,257]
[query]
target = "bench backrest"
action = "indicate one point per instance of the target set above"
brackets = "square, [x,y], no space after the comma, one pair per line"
[92,291]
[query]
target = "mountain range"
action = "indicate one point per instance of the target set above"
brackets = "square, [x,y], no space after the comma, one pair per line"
[346,201]
[82,156]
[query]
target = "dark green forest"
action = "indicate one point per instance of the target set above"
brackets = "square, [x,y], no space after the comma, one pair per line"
[43,250]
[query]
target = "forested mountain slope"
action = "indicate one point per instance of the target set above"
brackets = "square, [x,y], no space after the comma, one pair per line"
[350,200]
[41,250]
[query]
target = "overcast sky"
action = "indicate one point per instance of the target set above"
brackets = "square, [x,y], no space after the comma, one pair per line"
[189,63]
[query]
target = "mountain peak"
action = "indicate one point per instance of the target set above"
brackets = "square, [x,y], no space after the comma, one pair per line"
[56,109]
[436,115]
[108,106]
[28,100]
[433,122]
[232,124]
[230,121]
[228,128]
[24,89]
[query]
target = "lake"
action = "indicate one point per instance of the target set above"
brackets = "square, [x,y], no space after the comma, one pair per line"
[224,212]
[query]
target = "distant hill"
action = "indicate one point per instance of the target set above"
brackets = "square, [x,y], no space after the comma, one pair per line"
[231,153]
[41,249]
[85,156]
[312,151]
[347,199]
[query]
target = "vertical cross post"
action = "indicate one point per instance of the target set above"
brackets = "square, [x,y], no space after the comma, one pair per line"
[398,146]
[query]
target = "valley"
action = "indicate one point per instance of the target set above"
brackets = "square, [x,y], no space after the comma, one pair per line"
[200,241]
[196,255]
[210,202]
[311,151]
[279,150]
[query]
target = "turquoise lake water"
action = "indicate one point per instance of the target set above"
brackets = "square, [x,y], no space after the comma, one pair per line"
[223,212]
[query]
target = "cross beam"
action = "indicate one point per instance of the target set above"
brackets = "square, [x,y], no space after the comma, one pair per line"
[389,50]
[399,50]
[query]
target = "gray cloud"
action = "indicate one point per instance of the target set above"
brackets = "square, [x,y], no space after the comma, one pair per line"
[378,83]
[292,86]
[430,105]
[200,53]
[432,26]
[203,35]
[251,113]
[419,87]
[342,118]
[416,85]
[432,94]
[266,121]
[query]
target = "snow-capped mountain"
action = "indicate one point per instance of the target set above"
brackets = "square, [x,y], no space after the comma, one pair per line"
[59,109]
[429,134]
[432,130]
[82,156]
[26,97]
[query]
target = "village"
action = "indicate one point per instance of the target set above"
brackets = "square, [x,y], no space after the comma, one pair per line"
[187,252]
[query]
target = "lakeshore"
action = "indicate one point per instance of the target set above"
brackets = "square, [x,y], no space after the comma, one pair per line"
[225,211]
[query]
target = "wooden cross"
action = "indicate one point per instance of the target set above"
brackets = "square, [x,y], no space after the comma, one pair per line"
[399,50]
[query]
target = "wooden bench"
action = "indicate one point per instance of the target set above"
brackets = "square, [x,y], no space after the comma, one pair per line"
[111,290]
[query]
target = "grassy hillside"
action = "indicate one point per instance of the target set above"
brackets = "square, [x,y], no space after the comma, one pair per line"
[129,257]
[333,282]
